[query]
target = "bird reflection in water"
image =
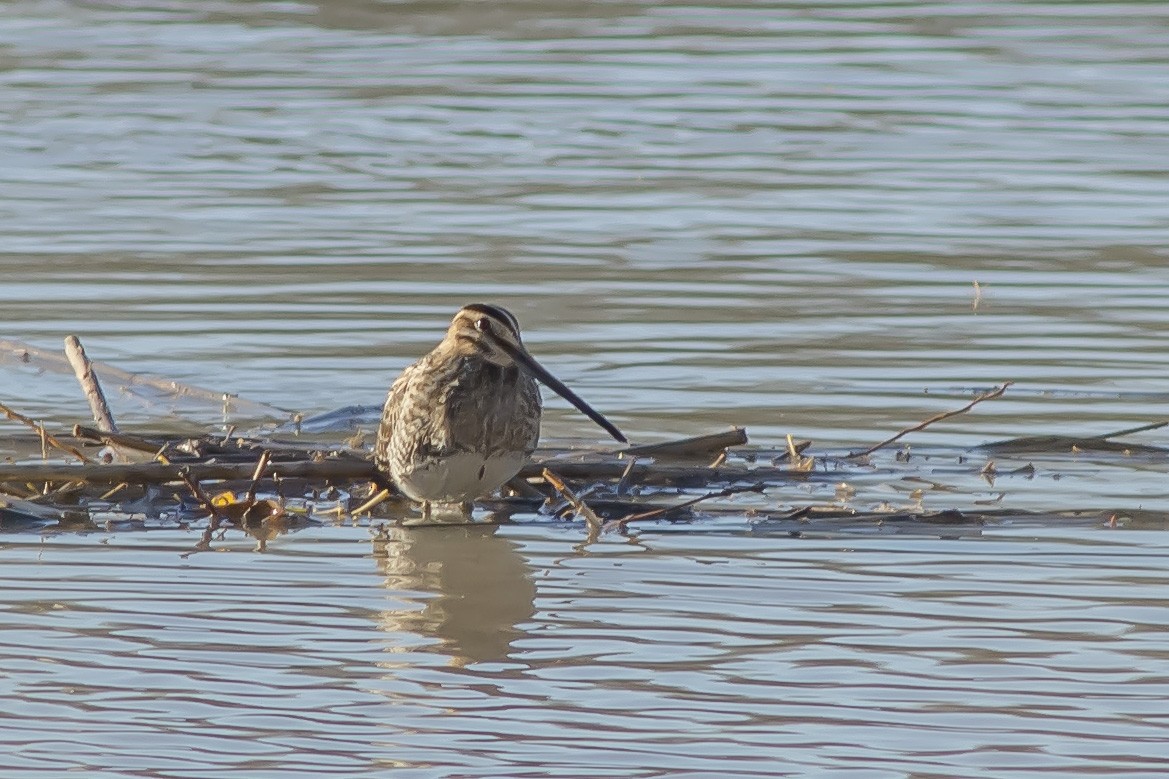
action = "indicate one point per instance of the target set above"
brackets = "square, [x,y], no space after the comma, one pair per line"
[475,588]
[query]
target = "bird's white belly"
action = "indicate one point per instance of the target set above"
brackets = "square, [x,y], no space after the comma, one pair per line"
[458,478]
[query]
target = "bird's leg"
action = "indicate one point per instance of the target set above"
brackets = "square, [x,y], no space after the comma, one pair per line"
[426,511]
[466,506]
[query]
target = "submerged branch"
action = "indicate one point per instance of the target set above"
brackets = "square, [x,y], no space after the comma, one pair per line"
[698,447]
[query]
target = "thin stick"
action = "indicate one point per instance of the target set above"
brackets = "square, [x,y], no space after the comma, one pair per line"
[619,524]
[623,482]
[261,466]
[83,370]
[371,503]
[217,516]
[1131,430]
[995,393]
[578,505]
[114,491]
[45,435]
[119,440]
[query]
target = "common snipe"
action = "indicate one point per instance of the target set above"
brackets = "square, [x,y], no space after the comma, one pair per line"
[463,419]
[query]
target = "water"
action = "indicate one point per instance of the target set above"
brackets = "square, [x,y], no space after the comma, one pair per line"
[770,215]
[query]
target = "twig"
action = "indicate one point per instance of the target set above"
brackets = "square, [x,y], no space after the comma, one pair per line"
[120,440]
[1132,430]
[698,447]
[113,491]
[261,466]
[623,482]
[216,514]
[578,505]
[45,435]
[371,503]
[996,392]
[619,524]
[795,457]
[161,473]
[83,370]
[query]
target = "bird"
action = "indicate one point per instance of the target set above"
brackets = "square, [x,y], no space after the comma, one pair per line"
[463,419]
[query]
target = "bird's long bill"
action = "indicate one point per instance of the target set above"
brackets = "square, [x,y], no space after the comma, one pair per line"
[540,372]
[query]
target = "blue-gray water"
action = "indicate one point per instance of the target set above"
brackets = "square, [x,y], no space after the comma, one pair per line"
[770,215]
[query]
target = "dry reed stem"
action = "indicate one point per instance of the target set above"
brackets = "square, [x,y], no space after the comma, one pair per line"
[370,504]
[795,458]
[261,466]
[623,482]
[620,524]
[217,515]
[45,435]
[578,505]
[118,440]
[991,395]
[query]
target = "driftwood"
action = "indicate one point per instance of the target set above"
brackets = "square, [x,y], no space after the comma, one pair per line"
[83,370]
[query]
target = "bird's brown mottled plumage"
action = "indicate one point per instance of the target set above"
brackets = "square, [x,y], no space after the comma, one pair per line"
[462,420]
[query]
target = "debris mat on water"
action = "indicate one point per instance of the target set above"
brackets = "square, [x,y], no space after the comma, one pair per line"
[105,478]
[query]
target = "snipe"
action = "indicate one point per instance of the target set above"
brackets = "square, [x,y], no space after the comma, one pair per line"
[462,420]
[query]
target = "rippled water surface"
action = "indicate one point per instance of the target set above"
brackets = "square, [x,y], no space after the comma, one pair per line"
[824,219]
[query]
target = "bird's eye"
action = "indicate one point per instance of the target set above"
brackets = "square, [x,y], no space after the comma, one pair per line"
[482,325]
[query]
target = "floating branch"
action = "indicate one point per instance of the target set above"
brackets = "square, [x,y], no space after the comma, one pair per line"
[995,393]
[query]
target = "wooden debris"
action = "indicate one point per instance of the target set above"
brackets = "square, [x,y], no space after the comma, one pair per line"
[83,370]
[665,511]
[991,395]
[579,506]
[45,436]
